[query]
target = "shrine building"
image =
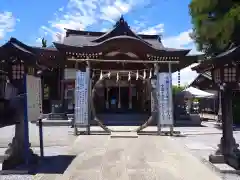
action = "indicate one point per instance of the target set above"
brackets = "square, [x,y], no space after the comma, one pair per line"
[121,57]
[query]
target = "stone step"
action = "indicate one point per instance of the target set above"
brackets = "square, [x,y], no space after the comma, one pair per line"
[124,135]
[47,122]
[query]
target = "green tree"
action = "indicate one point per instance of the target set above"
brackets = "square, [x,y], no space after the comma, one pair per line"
[44,43]
[216,24]
[177,89]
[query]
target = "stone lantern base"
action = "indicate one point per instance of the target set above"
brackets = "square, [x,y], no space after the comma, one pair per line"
[231,157]
[15,155]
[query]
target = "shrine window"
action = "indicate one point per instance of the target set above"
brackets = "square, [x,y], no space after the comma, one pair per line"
[17,71]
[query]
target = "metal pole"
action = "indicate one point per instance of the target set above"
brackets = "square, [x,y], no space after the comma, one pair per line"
[170,98]
[41,137]
[25,121]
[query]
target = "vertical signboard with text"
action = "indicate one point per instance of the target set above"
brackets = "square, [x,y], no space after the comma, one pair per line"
[165,99]
[34,97]
[81,99]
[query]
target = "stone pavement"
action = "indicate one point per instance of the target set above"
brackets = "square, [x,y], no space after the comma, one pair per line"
[146,157]
[56,142]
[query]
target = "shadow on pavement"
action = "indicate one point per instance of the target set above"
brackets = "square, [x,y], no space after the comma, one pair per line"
[54,164]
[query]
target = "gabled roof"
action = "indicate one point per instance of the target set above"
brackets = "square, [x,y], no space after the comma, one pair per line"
[80,38]
[18,45]
[121,28]
[27,53]
[223,58]
[203,81]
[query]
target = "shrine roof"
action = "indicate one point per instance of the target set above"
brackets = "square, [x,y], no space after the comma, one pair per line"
[230,55]
[80,38]
[13,43]
[203,81]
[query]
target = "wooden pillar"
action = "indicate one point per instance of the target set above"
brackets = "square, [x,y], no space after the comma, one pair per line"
[88,70]
[74,122]
[156,114]
[130,96]
[170,96]
[59,82]
[119,95]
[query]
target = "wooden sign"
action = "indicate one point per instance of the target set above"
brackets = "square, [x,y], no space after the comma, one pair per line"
[34,97]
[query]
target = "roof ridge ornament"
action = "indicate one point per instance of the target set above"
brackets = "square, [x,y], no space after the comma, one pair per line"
[121,21]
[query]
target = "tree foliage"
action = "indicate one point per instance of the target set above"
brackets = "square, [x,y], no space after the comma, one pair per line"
[216,24]
[177,89]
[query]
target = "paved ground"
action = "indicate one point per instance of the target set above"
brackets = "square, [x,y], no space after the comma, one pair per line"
[199,141]
[145,157]
[63,135]
[56,142]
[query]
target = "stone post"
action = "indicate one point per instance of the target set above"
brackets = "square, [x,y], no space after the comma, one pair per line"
[219,107]
[227,149]
[16,155]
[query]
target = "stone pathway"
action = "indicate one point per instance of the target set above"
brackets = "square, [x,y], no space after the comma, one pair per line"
[145,157]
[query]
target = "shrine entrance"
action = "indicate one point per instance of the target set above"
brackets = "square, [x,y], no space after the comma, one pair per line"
[117,104]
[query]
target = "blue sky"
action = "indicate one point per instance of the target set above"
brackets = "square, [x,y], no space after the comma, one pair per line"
[30,20]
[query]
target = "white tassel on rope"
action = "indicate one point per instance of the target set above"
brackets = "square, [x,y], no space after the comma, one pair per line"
[109,75]
[150,74]
[137,75]
[144,74]
[101,76]
[117,77]
[129,76]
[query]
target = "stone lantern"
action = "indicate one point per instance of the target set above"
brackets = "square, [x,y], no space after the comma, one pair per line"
[226,75]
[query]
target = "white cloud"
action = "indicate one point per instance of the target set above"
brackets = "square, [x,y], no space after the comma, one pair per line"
[79,14]
[183,41]
[7,23]
[186,76]
[157,29]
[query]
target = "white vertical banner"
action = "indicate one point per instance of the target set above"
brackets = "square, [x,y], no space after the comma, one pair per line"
[34,97]
[164,99]
[81,98]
